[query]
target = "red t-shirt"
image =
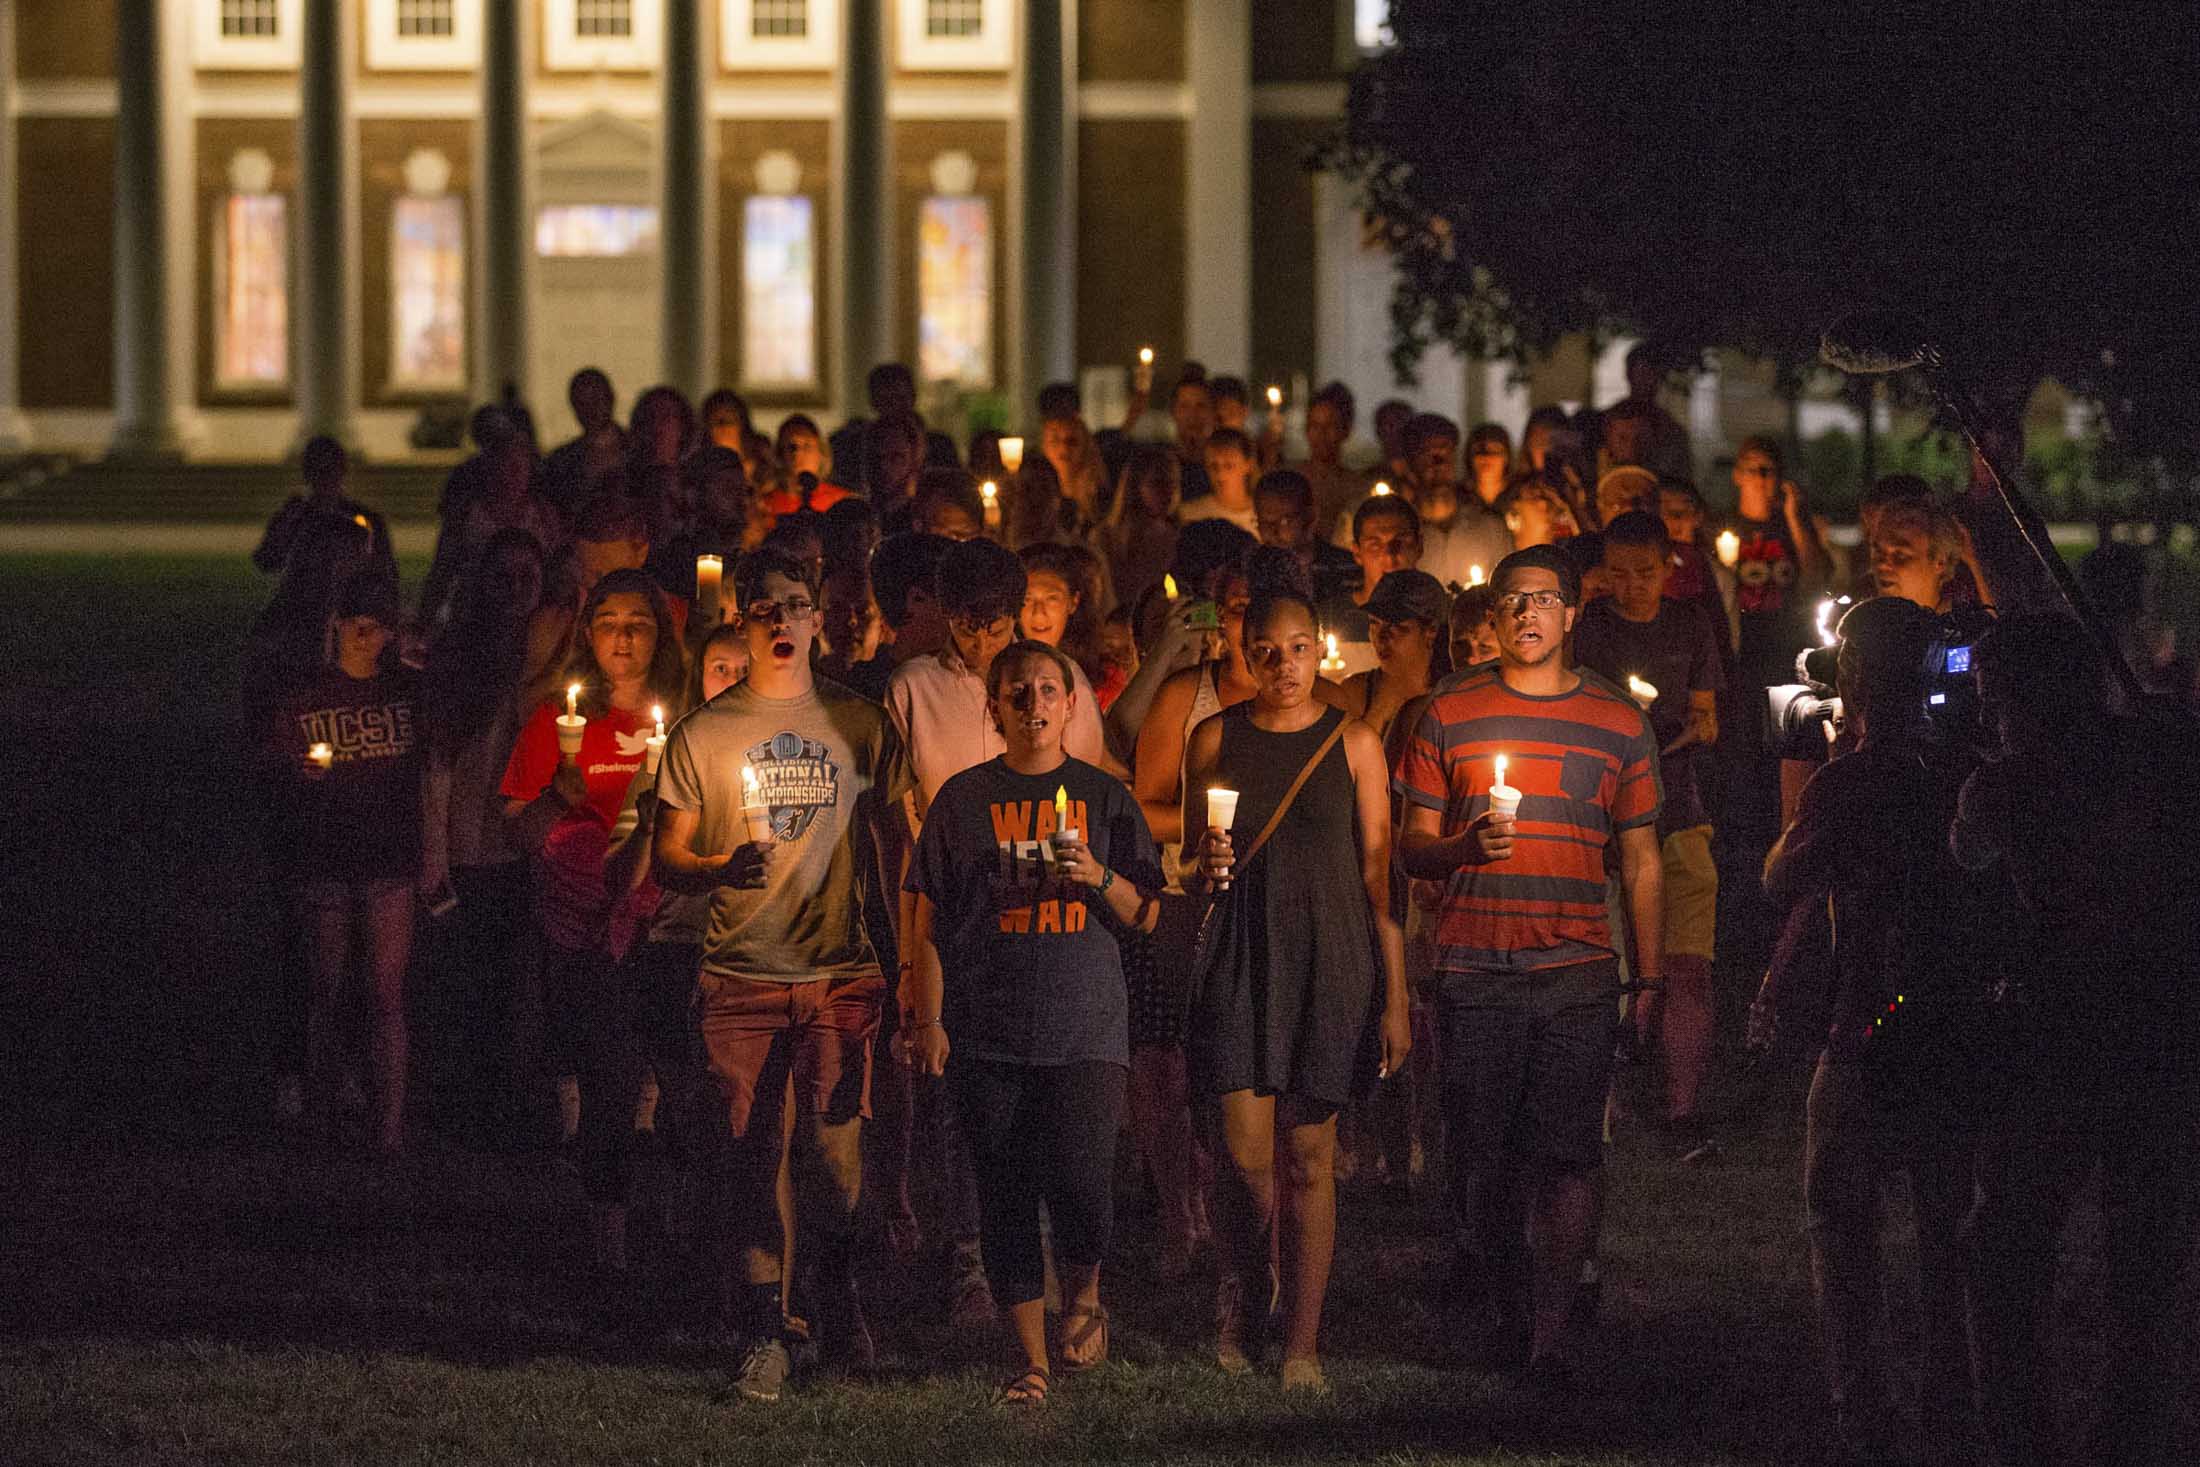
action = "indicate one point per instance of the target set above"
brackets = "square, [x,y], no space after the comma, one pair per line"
[569,868]
[1586,766]
[823,497]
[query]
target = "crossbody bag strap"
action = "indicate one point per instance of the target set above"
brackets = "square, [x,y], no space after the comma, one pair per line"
[1291,794]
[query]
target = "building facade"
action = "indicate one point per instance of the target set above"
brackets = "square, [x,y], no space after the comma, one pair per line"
[228,224]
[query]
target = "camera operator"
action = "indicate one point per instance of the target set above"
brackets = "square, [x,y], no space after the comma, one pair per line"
[1891,1086]
[2094,818]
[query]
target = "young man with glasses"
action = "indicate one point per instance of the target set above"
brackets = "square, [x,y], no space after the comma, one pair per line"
[1527,968]
[790,987]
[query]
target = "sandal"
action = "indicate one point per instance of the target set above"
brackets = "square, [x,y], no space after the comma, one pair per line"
[1026,1391]
[1093,1321]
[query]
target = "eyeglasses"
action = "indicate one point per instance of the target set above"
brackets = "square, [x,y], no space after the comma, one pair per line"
[768,612]
[1519,601]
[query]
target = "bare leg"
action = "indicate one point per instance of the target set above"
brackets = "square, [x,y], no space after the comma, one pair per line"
[1682,1019]
[1161,1117]
[1307,1203]
[389,947]
[327,924]
[1245,1199]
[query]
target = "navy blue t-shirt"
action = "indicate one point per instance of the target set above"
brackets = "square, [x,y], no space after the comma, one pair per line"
[1032,971]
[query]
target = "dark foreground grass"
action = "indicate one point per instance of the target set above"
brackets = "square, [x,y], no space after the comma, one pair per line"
[178,1287]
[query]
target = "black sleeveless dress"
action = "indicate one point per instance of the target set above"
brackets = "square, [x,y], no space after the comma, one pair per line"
[1288,999]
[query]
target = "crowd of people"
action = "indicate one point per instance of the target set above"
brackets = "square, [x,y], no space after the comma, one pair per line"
[864,813]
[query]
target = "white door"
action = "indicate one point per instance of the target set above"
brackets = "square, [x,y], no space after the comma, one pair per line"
[596,264]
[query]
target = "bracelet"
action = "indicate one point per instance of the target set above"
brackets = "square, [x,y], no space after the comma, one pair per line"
[920,1025]
[1107,879]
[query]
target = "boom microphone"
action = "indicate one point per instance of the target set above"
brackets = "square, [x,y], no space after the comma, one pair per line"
[1875,344]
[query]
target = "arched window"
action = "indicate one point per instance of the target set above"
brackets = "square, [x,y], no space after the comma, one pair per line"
[778,291]
[955,277]
[427,279]
[251,278]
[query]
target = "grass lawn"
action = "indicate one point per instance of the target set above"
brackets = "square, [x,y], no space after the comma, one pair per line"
[177,1286]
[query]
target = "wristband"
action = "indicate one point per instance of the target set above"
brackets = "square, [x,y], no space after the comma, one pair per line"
[1107,879]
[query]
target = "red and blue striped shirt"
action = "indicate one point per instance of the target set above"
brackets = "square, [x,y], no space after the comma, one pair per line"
[1586,765]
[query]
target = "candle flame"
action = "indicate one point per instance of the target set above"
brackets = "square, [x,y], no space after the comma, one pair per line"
[990,490]
[1275,397]
[1642,691]
[1730,547]
[749,794]
[1061,806]
[1168,587]
[657,711]
[362,522]
[572,700]
[1500,769]
[1145,356]
[1383,488]
[1475,576]
[1329,639]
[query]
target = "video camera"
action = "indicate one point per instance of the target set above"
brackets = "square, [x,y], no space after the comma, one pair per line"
[1803,718]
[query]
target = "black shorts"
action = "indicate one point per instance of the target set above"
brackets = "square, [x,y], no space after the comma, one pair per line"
[1527,1061]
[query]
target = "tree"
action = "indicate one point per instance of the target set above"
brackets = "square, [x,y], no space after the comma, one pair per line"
[2022,183]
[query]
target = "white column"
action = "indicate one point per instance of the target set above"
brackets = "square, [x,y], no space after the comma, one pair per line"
[1218,147]
[14,432]
[680,177]
[145,403]
[866,202]
[500,174]
[1047,177]
[324,341]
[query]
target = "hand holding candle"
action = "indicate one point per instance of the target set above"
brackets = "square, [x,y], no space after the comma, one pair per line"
[1221,815]
[1504,799]
[571,726]
[321,757]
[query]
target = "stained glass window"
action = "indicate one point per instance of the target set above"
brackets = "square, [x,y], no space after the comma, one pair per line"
[252,305]
[779,18]
[596,229]
[428,292]
[955,291]
[778,291]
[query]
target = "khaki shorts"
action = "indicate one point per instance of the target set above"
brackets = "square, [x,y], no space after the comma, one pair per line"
[1691,894]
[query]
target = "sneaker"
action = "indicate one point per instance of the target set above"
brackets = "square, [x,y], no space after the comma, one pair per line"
[764,1370]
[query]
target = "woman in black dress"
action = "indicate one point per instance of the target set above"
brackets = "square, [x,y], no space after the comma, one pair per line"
[1301,999]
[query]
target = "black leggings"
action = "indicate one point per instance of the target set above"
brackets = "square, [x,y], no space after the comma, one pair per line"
[1040,1133]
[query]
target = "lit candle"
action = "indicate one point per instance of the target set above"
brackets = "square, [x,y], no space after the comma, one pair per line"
[756,816]
[1332,663]
[1504,799]
[653,748]
[1142,379]
[1275,397]
[1012,454]
[1145,356]
[1475,576]
[571,726]
[322,755]
[709,570]
[1168,586]
[1383,488]
[991,493]
[1730,548]
[1643,693]
[1062,830]
[1221,815]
